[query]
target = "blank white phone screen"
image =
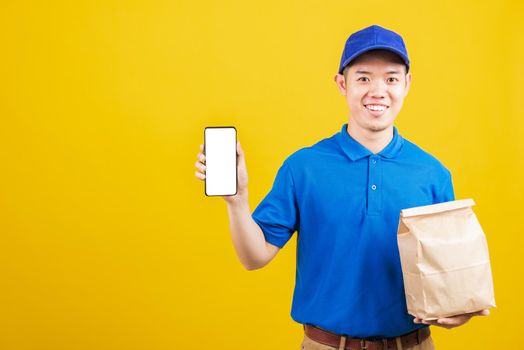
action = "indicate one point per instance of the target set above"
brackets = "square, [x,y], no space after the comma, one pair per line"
[221,161]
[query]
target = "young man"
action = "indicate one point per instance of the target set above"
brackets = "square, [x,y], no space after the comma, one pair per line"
[343,196]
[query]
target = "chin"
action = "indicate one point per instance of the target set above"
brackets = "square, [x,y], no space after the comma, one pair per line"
[378,128]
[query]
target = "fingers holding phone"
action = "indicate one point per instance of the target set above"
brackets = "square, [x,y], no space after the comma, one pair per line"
[201,164]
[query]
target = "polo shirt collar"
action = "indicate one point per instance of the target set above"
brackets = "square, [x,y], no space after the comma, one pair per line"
[356,151]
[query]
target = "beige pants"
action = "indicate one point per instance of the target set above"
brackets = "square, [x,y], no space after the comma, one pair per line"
[310,344]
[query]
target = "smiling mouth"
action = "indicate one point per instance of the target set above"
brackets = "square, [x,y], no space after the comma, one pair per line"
[376,108]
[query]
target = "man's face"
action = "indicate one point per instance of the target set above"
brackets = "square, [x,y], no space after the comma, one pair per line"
[375,86]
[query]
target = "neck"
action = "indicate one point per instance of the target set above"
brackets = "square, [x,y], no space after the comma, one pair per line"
[375,141]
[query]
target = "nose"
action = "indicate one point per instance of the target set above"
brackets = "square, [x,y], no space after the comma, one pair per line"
[377,89]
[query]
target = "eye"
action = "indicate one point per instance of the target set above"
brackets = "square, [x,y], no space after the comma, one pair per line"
[392,80]
[359,79]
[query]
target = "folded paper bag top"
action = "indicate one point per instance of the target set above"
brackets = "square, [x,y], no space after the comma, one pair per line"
[445,260]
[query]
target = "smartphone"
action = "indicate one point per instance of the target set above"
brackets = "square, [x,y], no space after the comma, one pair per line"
[220,148]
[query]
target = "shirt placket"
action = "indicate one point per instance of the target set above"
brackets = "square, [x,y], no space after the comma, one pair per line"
[374,192]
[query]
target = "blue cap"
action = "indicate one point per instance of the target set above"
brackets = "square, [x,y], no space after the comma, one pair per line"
[370,38]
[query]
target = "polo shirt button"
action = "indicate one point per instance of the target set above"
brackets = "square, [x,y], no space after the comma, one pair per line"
[374,161]
[373,187]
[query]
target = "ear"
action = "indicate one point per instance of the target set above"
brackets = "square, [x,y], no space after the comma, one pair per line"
[341,83]
[408,83]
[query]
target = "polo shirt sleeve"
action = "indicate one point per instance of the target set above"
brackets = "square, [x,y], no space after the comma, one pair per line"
[278,214]
[446,193]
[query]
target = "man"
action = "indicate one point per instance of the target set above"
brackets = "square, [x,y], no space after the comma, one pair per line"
[343,196]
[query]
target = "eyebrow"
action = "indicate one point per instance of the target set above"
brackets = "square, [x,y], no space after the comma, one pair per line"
[388,72]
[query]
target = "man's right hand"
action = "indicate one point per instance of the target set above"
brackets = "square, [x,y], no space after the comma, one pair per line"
[241,170]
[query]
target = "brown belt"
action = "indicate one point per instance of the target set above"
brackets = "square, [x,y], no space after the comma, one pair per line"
[331,339]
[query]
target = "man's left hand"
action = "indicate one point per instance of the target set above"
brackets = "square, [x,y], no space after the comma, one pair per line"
[453,321]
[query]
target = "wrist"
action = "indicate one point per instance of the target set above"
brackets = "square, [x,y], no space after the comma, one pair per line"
[238,200]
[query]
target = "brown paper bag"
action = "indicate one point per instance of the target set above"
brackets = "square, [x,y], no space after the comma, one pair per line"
[445,260]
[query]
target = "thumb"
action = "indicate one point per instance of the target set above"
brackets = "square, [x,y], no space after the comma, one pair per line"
[483,312]
[480,313]
[241,160]
[240,151]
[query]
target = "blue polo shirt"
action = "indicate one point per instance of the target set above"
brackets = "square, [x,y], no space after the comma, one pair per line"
[344,203]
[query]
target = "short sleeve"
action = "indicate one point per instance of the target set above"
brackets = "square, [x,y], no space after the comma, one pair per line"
[277,214]
[446,193]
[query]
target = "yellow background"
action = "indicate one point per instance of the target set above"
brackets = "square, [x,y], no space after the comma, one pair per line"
[106,238]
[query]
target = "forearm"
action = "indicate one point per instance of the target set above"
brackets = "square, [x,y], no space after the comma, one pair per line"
[248,239]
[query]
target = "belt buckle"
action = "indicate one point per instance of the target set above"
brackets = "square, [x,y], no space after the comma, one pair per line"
[363,345]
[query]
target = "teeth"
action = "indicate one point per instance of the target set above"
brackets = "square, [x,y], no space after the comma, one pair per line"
[376,107]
